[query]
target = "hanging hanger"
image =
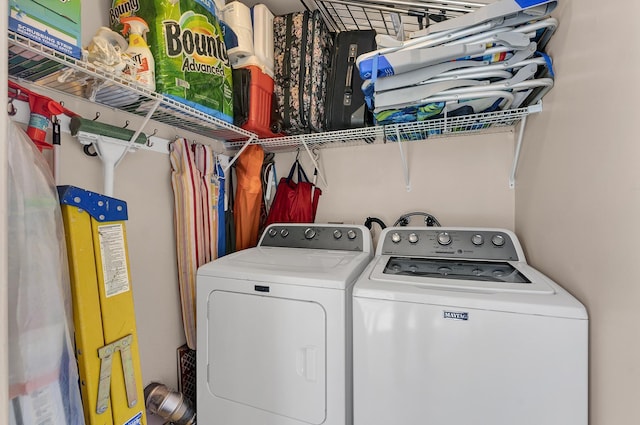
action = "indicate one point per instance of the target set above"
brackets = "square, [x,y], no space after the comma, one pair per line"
[316,158]
[11,108]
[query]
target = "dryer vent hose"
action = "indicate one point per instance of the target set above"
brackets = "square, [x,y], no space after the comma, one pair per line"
[169,405]
[370,220]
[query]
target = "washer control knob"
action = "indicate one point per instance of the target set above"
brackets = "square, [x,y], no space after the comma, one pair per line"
[413,238]
[273,232]
[309,233]
[337,234]
[444,238]
[477,239]
[395,237]
[351,234]
[284,233]
[497,240]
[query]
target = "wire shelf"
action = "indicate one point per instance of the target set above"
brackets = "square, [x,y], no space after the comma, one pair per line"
[45,67]
[42,66]
[385,15]
[492,122]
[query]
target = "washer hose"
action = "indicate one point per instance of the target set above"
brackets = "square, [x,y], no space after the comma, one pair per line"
[167,404]
[429,219]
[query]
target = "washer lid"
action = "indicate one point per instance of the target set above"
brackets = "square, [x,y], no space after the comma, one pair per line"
[501,286]
[295,266]
[485,273]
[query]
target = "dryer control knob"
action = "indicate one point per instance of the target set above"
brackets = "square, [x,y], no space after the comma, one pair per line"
[413,238]
[284,233]
[395,237]
[497,240]
[351,234]
[273,232]
[337,234]
[309,233]
[477,239]
[444,238]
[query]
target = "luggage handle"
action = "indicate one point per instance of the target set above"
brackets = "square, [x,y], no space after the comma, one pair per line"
[348,84]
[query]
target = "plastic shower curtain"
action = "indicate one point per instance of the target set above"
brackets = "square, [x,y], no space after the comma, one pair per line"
[195,190]
[43,376]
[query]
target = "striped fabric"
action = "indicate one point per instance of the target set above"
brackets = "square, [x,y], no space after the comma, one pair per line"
[195,189]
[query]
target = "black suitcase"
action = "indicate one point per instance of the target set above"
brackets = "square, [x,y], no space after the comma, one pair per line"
[345,107]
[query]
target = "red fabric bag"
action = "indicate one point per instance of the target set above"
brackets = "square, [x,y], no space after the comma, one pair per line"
[293,202]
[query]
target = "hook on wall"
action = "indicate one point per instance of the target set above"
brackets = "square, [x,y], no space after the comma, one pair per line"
[89,150]
[15,93]
[11,108]
[149,142]
[126,124]
[97,116]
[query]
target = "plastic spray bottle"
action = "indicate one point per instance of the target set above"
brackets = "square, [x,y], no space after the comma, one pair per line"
[139,51]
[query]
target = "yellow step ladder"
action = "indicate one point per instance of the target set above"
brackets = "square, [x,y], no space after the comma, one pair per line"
[104,318]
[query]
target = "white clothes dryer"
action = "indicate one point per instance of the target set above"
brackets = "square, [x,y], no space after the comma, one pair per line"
[274,328]
[452,326]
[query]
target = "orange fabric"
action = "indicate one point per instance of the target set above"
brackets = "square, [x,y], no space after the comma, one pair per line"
[248,196]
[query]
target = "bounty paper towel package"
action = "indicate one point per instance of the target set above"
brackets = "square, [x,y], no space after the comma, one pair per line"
[191,61]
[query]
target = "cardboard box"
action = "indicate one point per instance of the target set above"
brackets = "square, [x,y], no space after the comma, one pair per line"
[52,23]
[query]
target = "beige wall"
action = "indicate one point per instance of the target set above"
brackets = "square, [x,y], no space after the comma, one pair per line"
[463,181]
[4,393]
[578,192]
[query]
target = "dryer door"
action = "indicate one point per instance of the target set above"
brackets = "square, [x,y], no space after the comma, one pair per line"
[268,353]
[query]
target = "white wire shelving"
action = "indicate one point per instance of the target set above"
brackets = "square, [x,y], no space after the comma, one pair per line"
[388,16]
[29,61]
[492,122]
[32,62]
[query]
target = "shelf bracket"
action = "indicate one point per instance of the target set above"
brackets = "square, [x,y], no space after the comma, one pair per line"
[313,160]
[237,155]
[531,109]
[405,165]
[516,157]
[147,117]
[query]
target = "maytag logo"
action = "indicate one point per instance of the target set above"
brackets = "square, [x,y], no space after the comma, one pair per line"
[456,315]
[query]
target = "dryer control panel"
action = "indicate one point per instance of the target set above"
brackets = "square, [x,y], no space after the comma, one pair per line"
[317,236]
[439,242]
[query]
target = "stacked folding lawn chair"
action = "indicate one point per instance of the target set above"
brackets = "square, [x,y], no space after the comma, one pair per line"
[488,60]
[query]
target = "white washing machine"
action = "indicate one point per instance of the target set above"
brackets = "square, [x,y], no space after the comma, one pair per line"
[274,328]
[451,326]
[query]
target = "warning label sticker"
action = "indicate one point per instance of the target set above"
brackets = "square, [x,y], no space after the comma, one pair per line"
[136,420]
[114,259]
